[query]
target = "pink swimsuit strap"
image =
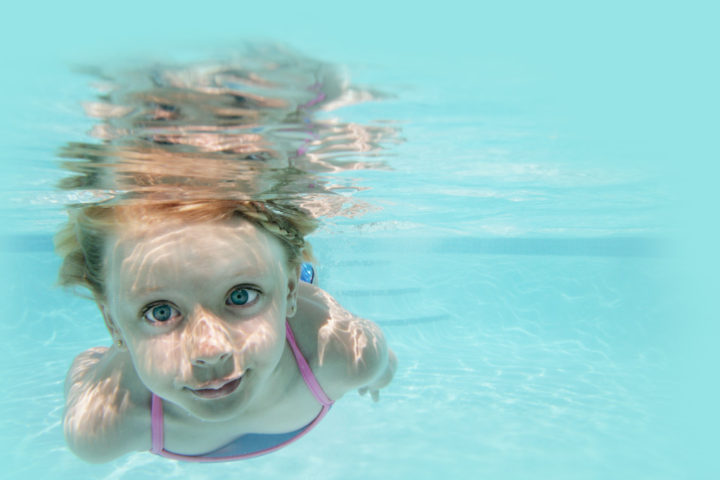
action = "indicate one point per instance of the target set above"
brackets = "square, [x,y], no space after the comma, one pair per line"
[305,370]
[156,415]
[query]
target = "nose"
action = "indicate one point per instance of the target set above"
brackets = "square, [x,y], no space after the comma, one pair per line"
[208,342]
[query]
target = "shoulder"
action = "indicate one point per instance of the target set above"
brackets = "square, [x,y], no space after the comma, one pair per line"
[105,408]
[345,351]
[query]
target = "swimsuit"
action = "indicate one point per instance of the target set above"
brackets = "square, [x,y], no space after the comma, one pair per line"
[251,444]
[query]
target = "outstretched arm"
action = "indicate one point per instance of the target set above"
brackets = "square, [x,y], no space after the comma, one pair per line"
[351,352]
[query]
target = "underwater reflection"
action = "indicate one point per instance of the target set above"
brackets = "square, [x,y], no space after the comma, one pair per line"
[245,128]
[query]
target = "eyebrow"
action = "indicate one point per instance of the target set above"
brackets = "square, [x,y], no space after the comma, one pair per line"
[147,289]
[142,291]
[251,271]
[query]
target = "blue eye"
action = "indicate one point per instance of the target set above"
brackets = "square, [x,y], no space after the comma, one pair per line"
[241,297]
[161,312]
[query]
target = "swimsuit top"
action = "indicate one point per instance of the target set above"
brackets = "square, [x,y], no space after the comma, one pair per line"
[251,444]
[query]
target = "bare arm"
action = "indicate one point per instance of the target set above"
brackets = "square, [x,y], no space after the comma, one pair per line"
[100,419]
[351,352]
[383,379]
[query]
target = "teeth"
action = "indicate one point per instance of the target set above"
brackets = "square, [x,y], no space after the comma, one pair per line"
[219,386]
[215,388]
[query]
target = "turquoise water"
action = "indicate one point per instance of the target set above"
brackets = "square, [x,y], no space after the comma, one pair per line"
[540,258]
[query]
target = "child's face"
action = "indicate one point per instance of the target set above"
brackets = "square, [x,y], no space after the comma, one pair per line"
[201,309]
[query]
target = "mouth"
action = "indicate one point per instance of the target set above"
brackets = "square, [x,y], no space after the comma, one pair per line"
[217,390]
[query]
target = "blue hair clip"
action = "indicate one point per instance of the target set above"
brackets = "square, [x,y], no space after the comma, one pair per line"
[307,273]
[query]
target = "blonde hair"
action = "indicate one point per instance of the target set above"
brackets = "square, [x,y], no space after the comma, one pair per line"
[81,242]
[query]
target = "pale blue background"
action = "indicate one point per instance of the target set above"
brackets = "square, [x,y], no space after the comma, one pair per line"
[607,86]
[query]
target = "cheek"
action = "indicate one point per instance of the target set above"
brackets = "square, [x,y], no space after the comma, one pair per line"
[157,359]
[263,340]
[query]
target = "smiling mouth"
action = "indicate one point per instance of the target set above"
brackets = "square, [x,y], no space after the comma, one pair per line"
[221,391]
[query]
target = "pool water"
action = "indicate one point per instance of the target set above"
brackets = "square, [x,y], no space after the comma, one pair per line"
[510,365]
[521,253]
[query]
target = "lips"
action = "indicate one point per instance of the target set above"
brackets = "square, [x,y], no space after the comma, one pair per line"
[222,389]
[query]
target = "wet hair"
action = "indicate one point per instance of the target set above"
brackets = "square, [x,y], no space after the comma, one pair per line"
[82,240]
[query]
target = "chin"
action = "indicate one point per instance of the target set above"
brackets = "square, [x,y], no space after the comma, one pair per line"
[216,409]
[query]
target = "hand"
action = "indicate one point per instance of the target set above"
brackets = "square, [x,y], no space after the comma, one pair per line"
[383,380]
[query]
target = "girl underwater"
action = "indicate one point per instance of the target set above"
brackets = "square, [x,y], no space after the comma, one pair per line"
[195,253]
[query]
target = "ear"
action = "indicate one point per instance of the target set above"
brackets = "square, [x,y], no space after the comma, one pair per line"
[115,333]
[292,286]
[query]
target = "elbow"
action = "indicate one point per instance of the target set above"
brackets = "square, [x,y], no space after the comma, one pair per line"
[86,444]
[88,451]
